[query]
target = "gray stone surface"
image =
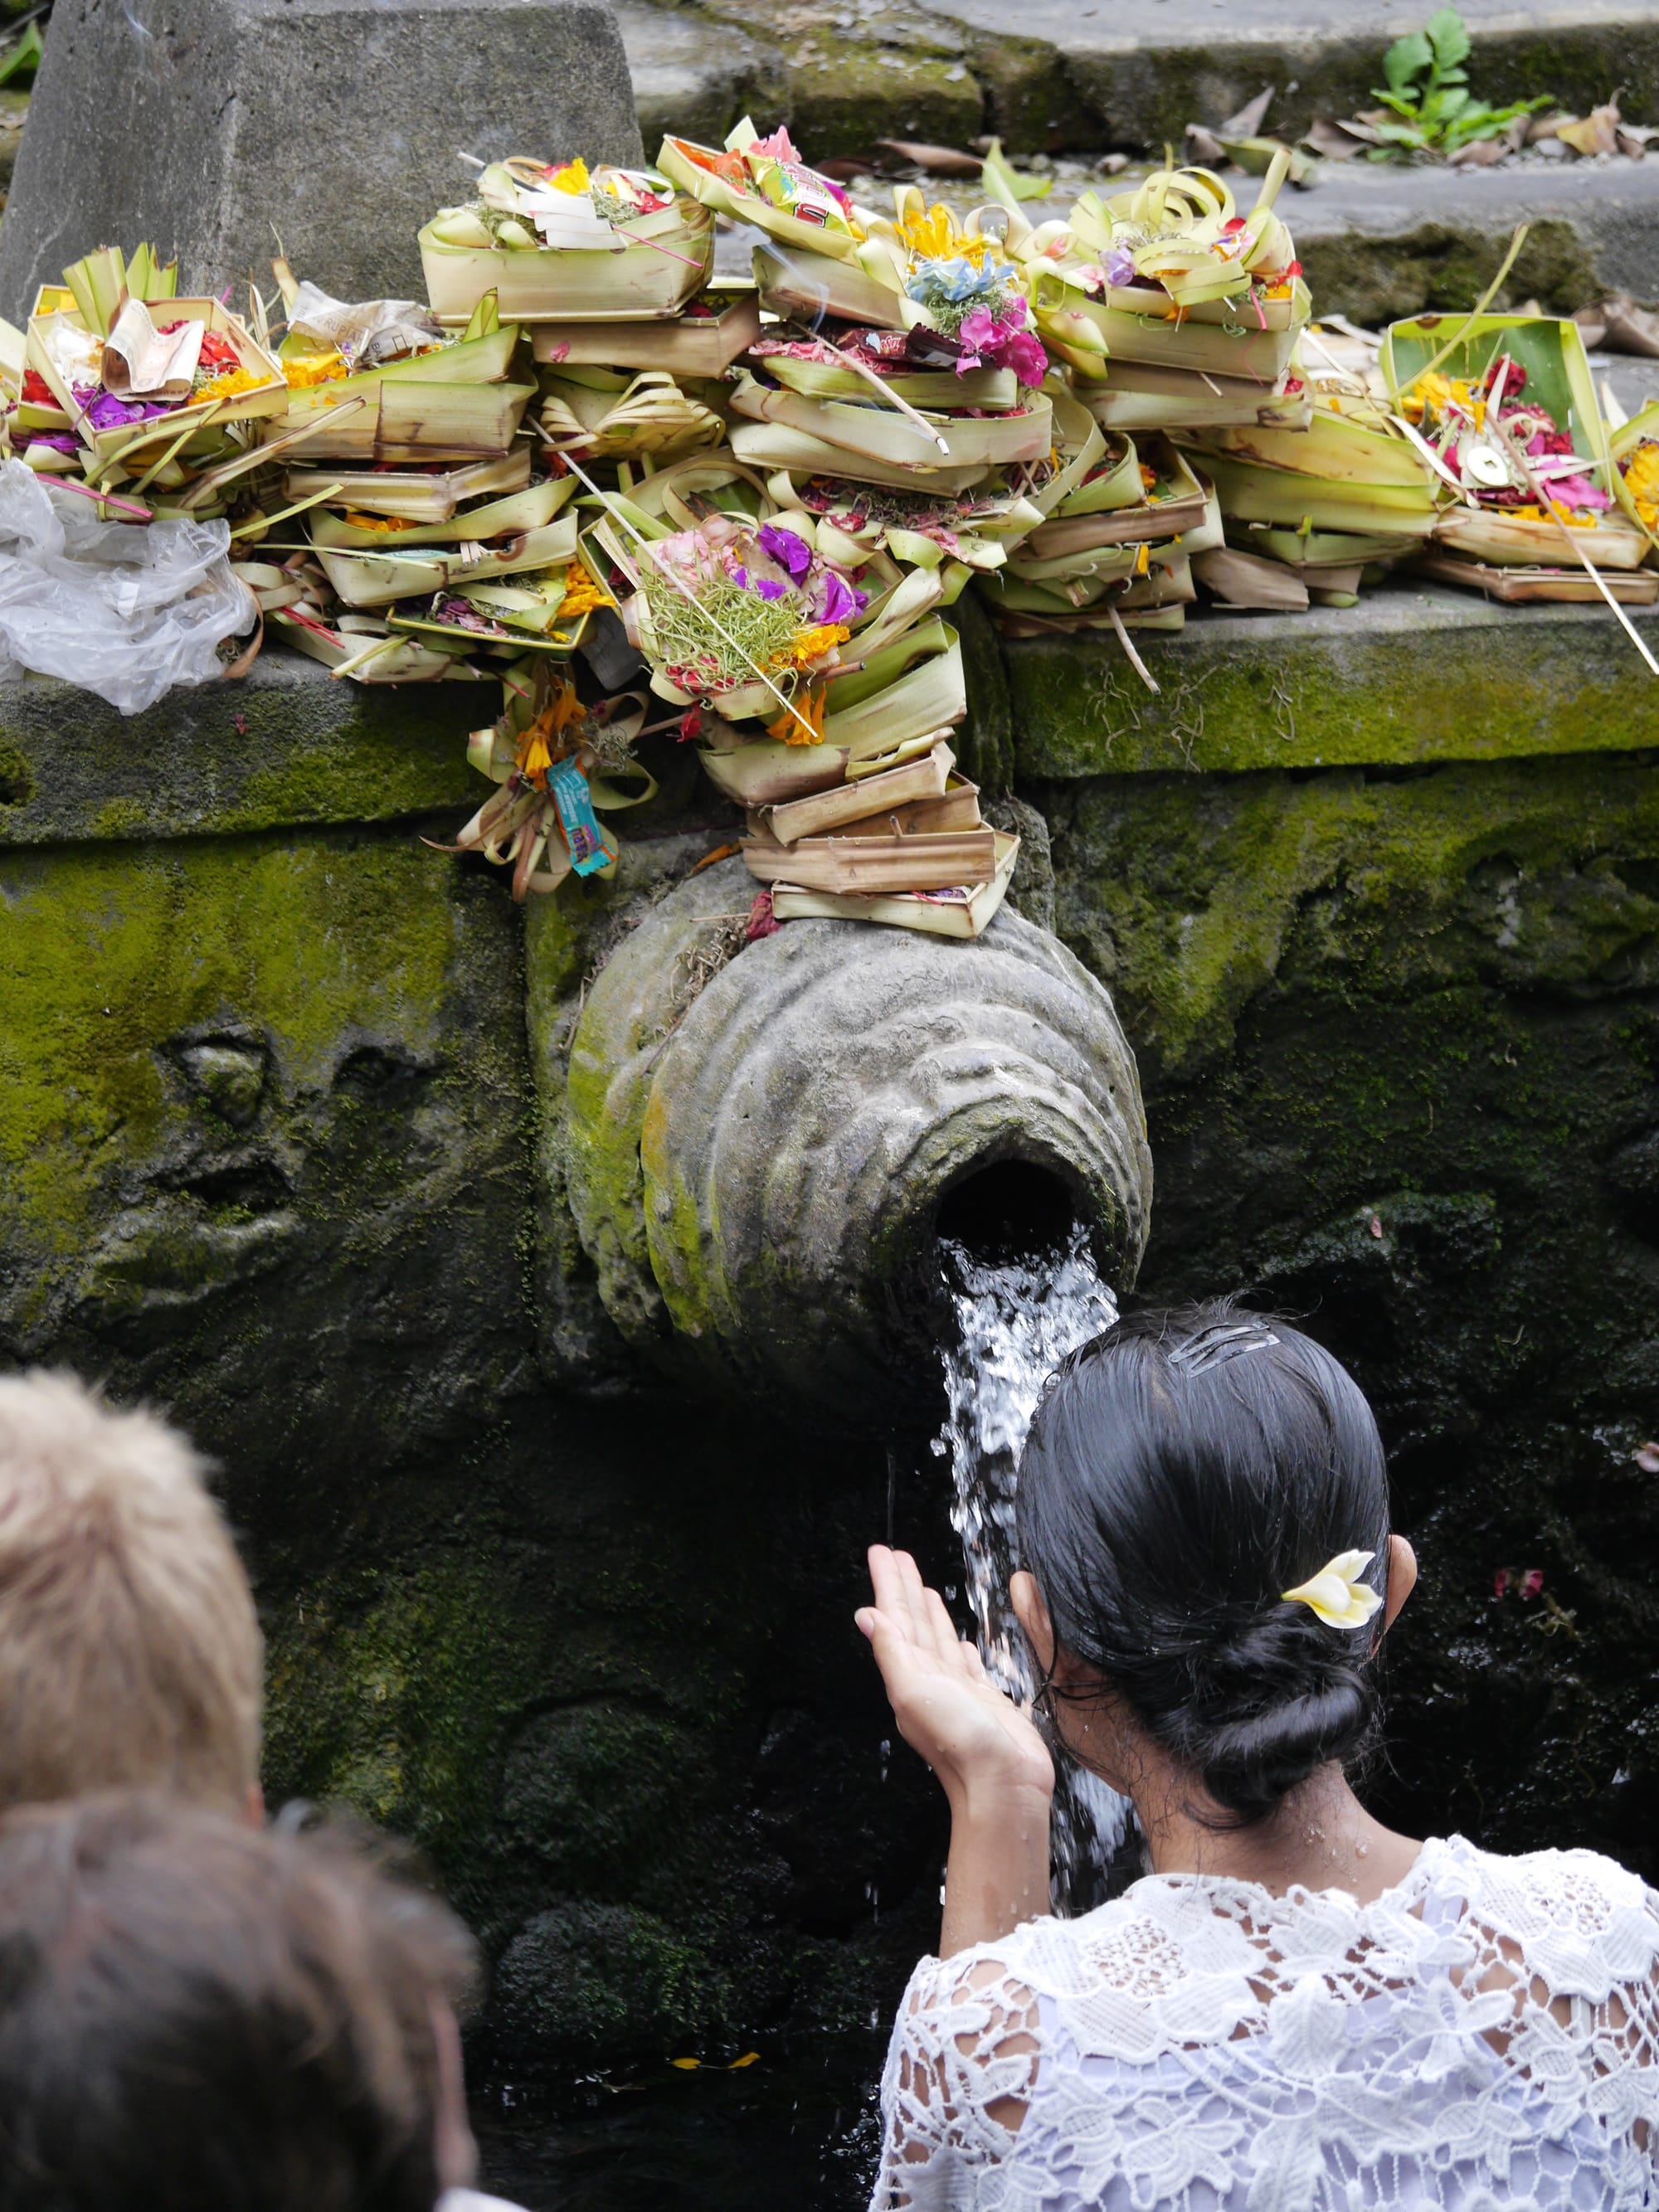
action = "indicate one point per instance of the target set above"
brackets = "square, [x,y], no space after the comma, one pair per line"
[1611,214]
[1136,67]
[214,127]
[693,76]
[286,745]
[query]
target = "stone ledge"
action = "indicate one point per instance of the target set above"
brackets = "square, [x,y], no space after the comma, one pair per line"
[288,745]
[1414,673]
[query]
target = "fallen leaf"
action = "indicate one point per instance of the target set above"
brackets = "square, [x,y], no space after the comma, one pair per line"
[1338,142]
[941,161]
[845,167]
[1204,147]
[1479,154]
[1598,133]
[1594,324]
[686,2065]
[1545,126]
[1249,118]
[1109,164]
[749,2058]
[1632,148]
[1628,328]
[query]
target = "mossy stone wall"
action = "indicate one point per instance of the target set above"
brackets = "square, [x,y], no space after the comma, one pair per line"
[1379,904]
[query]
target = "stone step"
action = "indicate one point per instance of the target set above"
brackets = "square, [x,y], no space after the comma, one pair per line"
[1143,72]
[1378,241]
[1056,75]
[1416,674]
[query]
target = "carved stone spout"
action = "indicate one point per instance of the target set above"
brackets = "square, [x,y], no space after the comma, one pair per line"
[757,1171]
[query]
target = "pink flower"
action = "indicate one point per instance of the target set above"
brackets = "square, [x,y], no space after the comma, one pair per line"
[780,145]
[978,328]
[1577,491]
[1021,352]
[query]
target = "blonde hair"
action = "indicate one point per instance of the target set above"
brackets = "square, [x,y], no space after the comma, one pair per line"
[129,1650]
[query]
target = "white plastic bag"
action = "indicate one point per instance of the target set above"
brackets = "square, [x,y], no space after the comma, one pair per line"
[123,609]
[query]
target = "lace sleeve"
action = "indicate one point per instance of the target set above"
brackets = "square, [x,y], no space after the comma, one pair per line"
[960,2072]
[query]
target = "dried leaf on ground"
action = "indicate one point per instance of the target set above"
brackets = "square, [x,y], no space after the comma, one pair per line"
[1597,133]
[1340,142]
[939,160]
[1249,118]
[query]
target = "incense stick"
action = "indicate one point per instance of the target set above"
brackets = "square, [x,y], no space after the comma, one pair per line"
[687,594]
[1127,642]
[893,398]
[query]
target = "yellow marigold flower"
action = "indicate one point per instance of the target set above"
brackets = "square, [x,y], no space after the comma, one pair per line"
[1641,475]
[532,756]
[325,369]
[935,236]
[360,521]
[573,178]
[807,709]
[812,642]
[1336,1593]
[581,594]
[233,380]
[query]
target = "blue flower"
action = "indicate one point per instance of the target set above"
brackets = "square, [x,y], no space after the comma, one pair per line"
[956,281]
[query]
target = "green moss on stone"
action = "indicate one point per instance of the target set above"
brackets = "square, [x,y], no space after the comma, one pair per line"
[394,1692]
[17,777]
[287,747]
[107,954]
[1184,894]
[1406,676]
[1447,266]
[844,95]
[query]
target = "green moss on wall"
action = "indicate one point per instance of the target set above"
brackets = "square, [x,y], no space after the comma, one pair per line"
[1408,676]
[107,956]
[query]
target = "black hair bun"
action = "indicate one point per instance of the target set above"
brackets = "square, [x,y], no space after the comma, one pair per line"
[1182,1470]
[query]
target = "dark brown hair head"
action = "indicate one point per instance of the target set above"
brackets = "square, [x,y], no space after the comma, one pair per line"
[198,2017]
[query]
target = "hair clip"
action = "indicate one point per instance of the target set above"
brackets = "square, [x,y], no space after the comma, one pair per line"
[1336,1593]
[1220,1341]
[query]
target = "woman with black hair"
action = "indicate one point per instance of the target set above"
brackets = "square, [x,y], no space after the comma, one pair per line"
[1296,2010]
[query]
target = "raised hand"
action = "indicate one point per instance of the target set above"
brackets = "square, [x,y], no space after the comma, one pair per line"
[985,1749]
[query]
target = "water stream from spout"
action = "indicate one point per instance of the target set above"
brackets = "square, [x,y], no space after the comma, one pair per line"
[1017,1318]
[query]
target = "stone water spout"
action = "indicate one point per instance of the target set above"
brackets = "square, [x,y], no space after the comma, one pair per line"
[759,1176]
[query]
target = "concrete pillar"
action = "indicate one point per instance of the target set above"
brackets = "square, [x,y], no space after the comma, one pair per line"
[214,127]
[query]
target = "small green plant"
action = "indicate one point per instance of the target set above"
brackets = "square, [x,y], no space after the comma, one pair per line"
[1428,90]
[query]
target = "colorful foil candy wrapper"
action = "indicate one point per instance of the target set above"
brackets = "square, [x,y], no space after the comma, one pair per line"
[568,789]
[798,191]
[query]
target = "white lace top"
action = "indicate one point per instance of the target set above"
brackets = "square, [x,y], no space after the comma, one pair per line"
[1482,2036]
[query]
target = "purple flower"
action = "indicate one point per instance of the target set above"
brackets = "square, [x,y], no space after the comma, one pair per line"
[763,585]
[1119,266]
[59,440]
[104,411]
[788,550]
[841,601]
